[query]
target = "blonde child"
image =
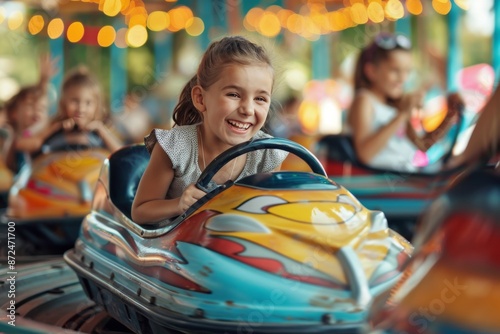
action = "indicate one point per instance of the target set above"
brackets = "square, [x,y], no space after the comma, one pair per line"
[80,113]
[27,114]
[380,114]
[224,104]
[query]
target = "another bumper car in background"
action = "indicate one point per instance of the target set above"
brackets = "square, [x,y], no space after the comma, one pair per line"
[280,252]
[402,196]
[52,194]
[452,283]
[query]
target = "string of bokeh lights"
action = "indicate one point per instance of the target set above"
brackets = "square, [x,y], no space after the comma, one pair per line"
[311,21]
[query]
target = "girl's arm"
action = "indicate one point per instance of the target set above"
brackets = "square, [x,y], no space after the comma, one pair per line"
[6,141]
[48,68]
[34,143]
[109,139]
[430,138]
[366,142]
[10,157]
[150,205]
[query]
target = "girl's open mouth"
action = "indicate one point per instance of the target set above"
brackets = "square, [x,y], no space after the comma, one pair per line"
[239,125]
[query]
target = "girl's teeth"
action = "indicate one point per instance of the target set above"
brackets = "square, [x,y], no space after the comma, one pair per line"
[239,125]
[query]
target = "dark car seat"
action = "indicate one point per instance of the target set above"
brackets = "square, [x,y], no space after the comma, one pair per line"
[339,148]
[126,167]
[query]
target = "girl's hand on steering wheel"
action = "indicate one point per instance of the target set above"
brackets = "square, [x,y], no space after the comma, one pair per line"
[68,124]
[410,102]
[95,125]
[189,197]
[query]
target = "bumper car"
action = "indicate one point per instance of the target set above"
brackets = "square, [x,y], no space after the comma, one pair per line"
[452,283]
[52,194]
[402,196]
[280,252]
[398,194]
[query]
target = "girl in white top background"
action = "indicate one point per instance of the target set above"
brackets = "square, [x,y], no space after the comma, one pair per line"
[381,111]
[226,103]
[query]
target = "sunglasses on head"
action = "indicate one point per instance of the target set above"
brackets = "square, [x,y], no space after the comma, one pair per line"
[390,42]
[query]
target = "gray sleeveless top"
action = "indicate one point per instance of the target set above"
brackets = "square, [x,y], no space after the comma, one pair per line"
[181,145]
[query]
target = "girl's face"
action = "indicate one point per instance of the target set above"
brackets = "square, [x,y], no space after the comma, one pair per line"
[41,110]
[30,112]
[235,107]
[80,103]
[389,75]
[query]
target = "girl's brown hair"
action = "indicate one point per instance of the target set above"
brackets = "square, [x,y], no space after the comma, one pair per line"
[373,53]
[82,77]
[228,50]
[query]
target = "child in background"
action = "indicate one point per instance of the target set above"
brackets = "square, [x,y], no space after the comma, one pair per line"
[286,124]
[27,114]
[133,122]
[380,114]
[80,115]
[5,133]
[224,104]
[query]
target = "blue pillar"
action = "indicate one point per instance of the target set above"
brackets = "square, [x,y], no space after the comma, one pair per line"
[403,26]
[496,41]
[205,10]
[247,5]
[279,38]
[219,13]
[163,50]
[117,76]
[163,54]
[56,47]
[454,63]
[321,58]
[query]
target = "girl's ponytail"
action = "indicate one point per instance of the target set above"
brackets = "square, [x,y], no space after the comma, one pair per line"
[184,112]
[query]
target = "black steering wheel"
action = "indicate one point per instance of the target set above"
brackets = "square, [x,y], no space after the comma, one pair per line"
[57,142]
[254,145]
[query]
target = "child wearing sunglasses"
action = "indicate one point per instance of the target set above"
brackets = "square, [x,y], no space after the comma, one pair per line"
[380,114]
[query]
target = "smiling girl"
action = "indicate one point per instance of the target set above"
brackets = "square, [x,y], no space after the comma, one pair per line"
[226,103]
[380,114]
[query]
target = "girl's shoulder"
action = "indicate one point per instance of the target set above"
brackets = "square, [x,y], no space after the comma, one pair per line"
[182,136]
[364,94]
[261,134]
[362,104]
[365,100]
